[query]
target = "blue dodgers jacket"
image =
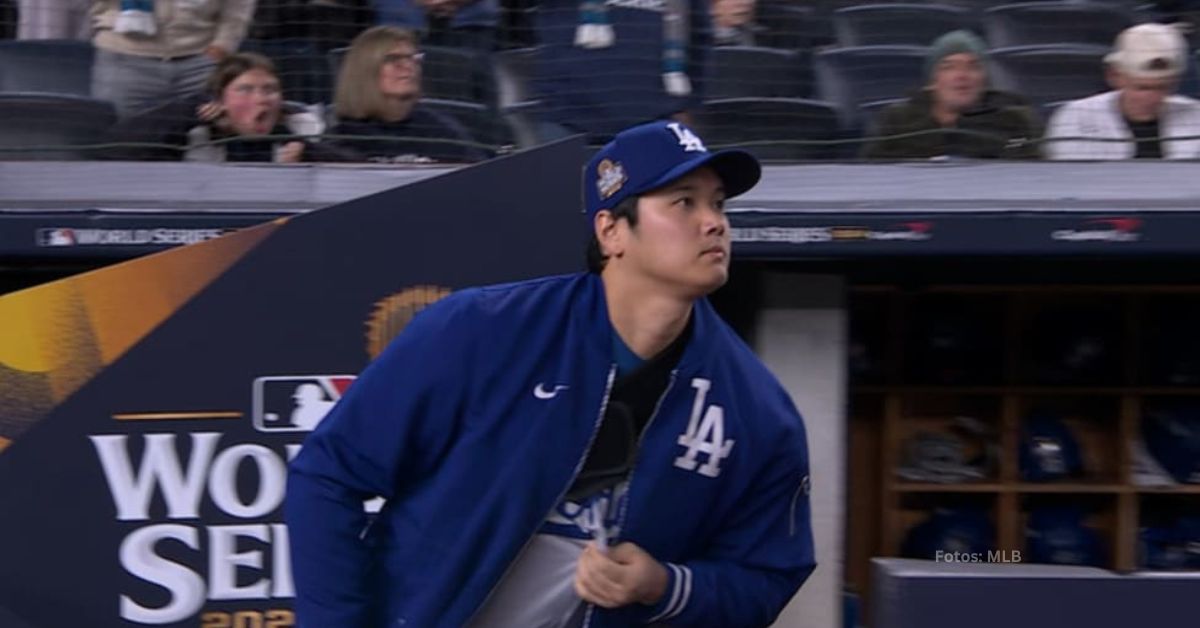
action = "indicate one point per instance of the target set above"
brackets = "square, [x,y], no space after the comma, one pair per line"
[475,420]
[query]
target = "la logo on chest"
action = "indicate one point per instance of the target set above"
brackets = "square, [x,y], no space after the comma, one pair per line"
[705,435]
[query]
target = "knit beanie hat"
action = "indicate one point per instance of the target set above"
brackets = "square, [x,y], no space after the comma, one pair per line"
[952,43]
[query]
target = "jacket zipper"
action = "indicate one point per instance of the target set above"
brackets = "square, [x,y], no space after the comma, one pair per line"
[637,456]
[612,372]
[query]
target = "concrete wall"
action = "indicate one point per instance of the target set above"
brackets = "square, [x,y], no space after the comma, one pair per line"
[801,335]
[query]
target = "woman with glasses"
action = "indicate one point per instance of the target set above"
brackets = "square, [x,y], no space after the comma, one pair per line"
[378,106]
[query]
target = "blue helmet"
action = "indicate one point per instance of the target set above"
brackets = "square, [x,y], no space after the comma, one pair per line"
[1172,435]
[1171,353]
[1057,535]
[953,345]
[1049,450]
[1074,345]
[950,530]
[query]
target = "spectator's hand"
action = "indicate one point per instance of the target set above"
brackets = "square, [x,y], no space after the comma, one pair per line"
[625,575]
[210,111]
[291,153]
[216,53]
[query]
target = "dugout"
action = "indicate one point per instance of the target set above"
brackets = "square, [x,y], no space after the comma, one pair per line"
[836,268]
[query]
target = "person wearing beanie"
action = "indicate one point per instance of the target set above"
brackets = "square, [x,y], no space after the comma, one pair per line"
[1144,70]
[955,114]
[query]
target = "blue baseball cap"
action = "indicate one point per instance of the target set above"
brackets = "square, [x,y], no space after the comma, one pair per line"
[649,156]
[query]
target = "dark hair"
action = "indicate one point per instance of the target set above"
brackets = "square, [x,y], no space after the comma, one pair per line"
[234,66]
[626,209]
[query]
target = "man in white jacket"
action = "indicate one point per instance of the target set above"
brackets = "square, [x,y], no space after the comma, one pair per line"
[1144,69]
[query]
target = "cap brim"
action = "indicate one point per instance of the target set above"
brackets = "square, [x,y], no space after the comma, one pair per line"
[739,171]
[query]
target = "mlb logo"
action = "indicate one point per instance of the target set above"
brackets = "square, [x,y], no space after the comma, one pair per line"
[56,237]
[296,403]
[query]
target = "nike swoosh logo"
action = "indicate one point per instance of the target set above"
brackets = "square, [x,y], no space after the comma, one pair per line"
[540,391]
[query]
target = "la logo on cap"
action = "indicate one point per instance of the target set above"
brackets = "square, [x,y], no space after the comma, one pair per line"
[610,177]
[689,141]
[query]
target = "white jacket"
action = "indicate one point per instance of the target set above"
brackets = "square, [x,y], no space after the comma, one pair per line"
[1100,116]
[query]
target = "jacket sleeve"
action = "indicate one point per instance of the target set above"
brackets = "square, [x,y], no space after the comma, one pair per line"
[886,123]
[1065,123]
[1028,128]
[758,562]
[394,423]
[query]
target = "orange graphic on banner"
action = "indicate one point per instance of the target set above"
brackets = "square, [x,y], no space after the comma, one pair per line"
[57,336]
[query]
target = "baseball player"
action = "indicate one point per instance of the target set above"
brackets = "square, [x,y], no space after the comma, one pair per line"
[597,449]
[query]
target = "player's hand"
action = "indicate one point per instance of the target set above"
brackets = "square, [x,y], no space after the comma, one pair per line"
[291,153]
[625,575]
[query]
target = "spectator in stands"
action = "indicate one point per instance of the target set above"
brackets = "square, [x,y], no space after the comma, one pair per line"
[54,19]
[1144,69]
[152,51]
[956,114]
[606,65]
[378,101]
[242,118]
[733,22]
[455,23]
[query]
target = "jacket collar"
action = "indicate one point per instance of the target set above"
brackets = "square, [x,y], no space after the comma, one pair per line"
[592,303]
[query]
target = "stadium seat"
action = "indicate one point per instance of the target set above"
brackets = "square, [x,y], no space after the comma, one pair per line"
[790,26]
[900,24]
[1045,74]
[849,77]
[479,120]
[521,121]
[752,71]
[58,122]
[743,121]
[334,58]
[454,74]
[518,20]
[1043,23]
[8,23]
[53,66]
[513,72]
[868,111]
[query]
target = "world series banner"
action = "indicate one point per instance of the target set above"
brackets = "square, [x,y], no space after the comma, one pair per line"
[148,410]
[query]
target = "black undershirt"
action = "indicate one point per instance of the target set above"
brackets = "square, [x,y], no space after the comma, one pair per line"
[631,403]
[1149,146]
